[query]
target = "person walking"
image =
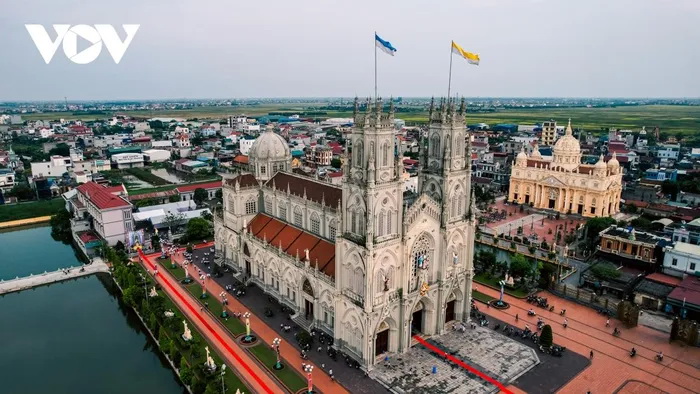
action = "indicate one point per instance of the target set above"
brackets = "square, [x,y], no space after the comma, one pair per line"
[591,355]
[607,323]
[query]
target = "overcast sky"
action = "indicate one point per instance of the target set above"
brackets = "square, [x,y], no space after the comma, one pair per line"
[304,48]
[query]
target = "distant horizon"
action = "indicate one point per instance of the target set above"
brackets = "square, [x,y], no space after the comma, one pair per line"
[386,98]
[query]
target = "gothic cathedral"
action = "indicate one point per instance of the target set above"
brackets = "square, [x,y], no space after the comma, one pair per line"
[359,261]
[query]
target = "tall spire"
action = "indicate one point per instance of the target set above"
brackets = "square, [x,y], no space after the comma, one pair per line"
[568,128]
[356,108]
[432,108]
[462,107]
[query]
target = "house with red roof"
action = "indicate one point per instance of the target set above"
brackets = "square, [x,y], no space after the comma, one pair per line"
[99,211]
[186,192]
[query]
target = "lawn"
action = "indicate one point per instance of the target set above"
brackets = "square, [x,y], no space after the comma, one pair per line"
[234,325]
[231,380]
[32,209]
[479,296]
[178,272]
[287,375]
[492,282]
[146,176]
[135,191]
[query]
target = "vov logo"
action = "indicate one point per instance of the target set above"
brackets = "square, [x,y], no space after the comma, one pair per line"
[68,35]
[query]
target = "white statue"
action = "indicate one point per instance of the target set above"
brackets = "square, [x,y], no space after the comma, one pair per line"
[169,313]
[455,260]
[210,361]
[153,292]
[187,335]
[509,280]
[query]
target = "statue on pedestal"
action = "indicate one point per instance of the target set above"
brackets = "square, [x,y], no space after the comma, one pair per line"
[455,259]
[169,313]
[153,292]
[187,335]
[210,361]
[509,280]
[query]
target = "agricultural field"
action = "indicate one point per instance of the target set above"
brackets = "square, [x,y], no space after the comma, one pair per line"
[672,119]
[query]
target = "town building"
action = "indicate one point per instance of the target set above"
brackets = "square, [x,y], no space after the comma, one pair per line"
[7,179]
[682,259]
[54,168]
[156,155]
[636,248]
[187,192]
[549,133]
[355,261]
[99,213]
[564,184]
[128,160]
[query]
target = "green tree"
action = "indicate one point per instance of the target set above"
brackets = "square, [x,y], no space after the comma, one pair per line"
[185,373]
[60,227]
[520,266]
[605,271]
[174,198]
[336,163]
[155,241]
[595,225]
[200,195]
[174,220]
[547,338]
[133,296]
[486,260]
[213,387]
[670,188]
[22,192]
[641,223]
[60,150]
[198,229]
[219,194]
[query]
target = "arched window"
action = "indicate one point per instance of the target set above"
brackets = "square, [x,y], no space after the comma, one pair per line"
[380,224]
[359,154]
[307,288]
[268,205]
[359,282]
[435,145]
[298,217]
[421,258]
[315,224]
[385,154]
[331,230]
[250,207]
[389,230]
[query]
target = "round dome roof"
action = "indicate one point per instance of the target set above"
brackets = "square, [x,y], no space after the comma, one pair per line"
[601,163]
[536,152]
[522,155]
[613,161]
[269,145]
[568,143]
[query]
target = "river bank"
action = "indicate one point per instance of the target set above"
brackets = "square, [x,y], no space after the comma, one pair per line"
[24,222]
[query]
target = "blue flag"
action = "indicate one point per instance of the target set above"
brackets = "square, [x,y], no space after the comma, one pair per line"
[384,45]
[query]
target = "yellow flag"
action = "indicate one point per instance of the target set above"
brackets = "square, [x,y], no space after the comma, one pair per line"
[472,58]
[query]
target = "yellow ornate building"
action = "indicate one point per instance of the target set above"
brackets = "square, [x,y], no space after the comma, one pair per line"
[564,184]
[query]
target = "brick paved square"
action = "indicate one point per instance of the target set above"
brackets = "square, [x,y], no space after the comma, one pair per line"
[484,349]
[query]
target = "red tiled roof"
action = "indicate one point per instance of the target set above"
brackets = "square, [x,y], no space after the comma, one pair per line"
[535,162]
[315,191]
[243,159]
[662,207]
[101,196]
[191,188]
[638,204]
[88,236]
[166,193]
[687,291]
[335,174]
[294,242]
[244,180]
[665,279]
[141,139]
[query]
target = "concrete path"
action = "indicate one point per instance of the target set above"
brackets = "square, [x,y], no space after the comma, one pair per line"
[258,379]
[24,222]
[321,378]
[612,368]
[46,278]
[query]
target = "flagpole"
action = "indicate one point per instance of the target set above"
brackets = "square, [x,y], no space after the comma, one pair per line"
[449,80]
[375,66]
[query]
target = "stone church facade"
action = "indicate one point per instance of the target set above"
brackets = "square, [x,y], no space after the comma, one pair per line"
[356,261]
[564,184]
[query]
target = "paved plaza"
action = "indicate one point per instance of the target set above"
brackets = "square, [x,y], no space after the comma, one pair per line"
[484,349]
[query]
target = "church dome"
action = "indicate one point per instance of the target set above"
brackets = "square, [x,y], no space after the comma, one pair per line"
[536,152]
[613,161]
[522,155]
[270,146]
[568,144]
[601,163]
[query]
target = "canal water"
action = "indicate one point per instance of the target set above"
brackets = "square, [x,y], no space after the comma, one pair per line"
[31,250]
[73,337]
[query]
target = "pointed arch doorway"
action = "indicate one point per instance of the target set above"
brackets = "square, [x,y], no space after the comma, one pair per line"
[308,300]
[381,343]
